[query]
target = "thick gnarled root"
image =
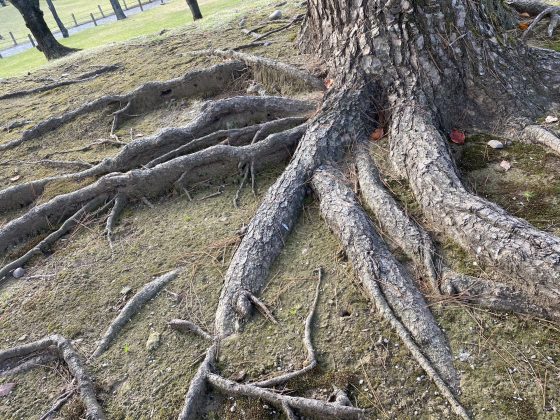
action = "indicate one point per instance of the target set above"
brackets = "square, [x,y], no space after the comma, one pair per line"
[393,221]
[214,161]
[326,138]
[66,352]
[495,296]
[542,136]
[215,117]
[146,97]
[387,283]
[269,72]
[531,258]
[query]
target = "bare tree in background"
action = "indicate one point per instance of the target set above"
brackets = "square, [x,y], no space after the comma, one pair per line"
[118,9]
[195,10]
[61,26]
[35,22]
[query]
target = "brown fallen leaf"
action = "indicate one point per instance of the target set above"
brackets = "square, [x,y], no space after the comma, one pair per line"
[377,134]
[523,26]
[524,15]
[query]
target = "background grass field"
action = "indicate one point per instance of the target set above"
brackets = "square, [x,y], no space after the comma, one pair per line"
[173,14]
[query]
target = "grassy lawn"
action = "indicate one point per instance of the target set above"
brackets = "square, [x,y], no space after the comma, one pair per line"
[173,14]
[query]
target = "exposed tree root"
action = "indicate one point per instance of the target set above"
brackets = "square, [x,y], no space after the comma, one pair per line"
[46,243]
[199,385]
[86,77]
[529,256]
[51,163]
[553,12]
[295,20]
[215,116]
[188,326]
[120,204]
[131,308]
[267,70]
[540,135]
[216,160]
[387,284]
[67,353]
[326,137]
[305,406]
[401,229]
[532,7]
[311,361]
[58,404]
[116,119]
[146,97]
[233,137]
[28,364]
[495,296]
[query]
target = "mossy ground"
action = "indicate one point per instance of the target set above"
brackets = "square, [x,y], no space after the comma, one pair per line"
[510,370]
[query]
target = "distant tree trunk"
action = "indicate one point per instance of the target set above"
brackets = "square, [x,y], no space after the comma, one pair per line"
[118,9]
[195,10]
[61,26]
[3,3]
[35,22]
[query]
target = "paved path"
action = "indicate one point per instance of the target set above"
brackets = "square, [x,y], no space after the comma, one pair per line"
[21,47]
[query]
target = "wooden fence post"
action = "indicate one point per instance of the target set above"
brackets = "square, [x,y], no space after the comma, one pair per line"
[75,21]
[101,10]
[31,39]
[13,38]
[93,19]
[125,5]
[140,4]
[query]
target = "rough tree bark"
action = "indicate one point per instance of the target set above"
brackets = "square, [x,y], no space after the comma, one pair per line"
[118,9]
[34,20]
[418,70]
[195,10]
[59,23]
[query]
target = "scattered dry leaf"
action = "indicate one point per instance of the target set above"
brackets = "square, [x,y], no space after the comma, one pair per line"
[523,26]
[524,15]
[505,165]
[457,137]
[377,134]
[551,119]
[15,178]
[329,83]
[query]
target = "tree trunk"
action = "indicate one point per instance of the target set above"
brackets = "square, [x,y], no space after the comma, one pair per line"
[195,10]
[34,20]
[118,10]
[61,26]
[439,66]
[3,3]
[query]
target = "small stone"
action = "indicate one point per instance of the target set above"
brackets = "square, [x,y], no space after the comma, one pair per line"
[15,178]
[153,341]
[277,14]
[551,119]
[505,165]
[464,355]
[495,144]
[23,337]
[18,273]
[242,22]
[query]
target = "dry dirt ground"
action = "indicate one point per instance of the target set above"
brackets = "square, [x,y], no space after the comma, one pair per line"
[510,364]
